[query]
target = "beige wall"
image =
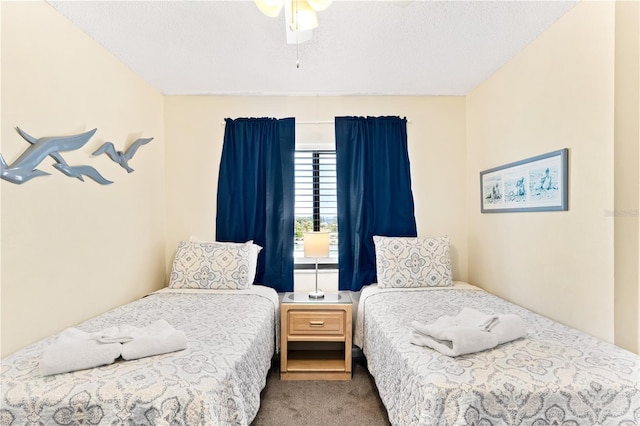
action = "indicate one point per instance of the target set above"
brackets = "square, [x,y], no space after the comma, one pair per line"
[627,175]
[71,249]
[558,92]
[436,139]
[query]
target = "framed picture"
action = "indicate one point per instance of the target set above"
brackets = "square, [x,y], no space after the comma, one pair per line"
[532,185]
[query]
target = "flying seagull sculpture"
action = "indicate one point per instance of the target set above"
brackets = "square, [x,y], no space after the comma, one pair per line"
[78,171]
[24,168]
[120,157]
[61,164]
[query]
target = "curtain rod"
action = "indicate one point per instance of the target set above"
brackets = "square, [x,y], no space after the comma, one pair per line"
[324,122]
[313,122]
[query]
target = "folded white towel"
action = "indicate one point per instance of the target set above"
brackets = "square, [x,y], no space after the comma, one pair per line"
[472,318]
[155,339]
[76,350]
[455,340]
[469,331]
[489,324]
[111,335]
[509,327]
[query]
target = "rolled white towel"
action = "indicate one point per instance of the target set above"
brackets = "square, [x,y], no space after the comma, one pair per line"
[76,350]
[453,340]
[155,339]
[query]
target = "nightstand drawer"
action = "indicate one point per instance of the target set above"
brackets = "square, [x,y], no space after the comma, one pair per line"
[316,322]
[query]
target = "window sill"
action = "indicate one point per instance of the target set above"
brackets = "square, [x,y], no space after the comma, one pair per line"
[312,266]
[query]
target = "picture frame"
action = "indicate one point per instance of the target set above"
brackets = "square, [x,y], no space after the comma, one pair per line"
[534,184]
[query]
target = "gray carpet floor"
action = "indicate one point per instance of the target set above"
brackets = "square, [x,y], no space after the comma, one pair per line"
[321,403]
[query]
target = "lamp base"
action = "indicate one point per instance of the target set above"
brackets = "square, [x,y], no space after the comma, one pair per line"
[318,294]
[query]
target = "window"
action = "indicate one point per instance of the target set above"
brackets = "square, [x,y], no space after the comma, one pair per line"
[316,206]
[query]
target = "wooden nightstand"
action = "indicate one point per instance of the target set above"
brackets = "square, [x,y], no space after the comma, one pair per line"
[315,337]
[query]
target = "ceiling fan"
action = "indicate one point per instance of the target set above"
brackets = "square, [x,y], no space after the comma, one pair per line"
[300,16]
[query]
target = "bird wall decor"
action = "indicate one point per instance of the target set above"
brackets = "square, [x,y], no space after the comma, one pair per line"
[121,157]
[24,168]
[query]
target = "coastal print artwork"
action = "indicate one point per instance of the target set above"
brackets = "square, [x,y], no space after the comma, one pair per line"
[535,184]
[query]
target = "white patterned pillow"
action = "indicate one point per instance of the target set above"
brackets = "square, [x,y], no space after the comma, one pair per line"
[412,262]
[253,259]
[212,265]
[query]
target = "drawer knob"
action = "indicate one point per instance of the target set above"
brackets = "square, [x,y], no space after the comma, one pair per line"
[316,323]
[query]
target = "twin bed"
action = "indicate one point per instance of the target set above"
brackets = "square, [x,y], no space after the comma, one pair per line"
[230,326]
[554,376]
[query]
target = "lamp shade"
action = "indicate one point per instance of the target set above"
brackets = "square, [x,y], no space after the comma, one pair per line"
[316,244]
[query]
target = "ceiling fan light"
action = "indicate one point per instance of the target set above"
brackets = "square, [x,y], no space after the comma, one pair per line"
[303,16]
[319,5]
[271,8]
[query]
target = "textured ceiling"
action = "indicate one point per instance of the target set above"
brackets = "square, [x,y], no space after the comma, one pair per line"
[359,48]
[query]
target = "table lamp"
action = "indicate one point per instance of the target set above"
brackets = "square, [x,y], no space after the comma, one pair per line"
[316,245]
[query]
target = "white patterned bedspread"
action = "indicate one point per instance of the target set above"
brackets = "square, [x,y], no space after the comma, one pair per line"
[554,376]
[216,380]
